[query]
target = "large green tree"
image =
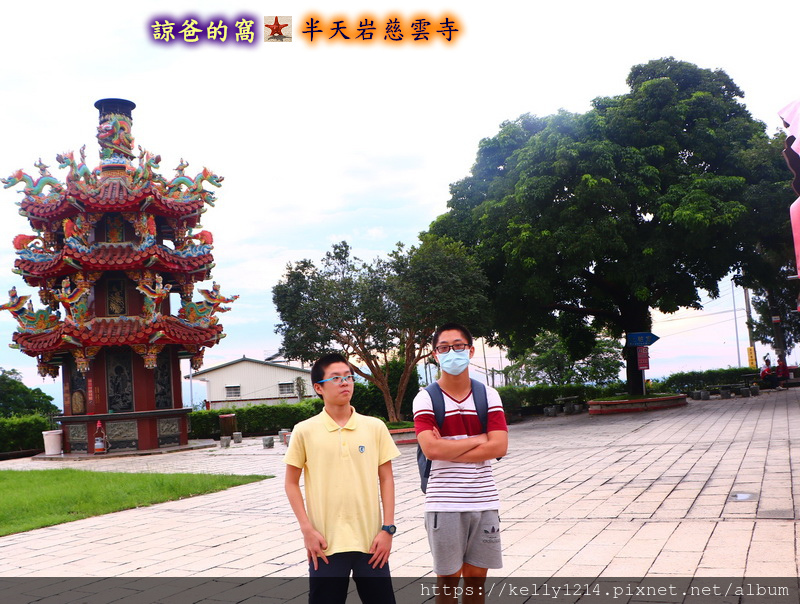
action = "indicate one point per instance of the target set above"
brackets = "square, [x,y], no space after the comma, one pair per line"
[586,222]
[380,311]
[17,399]
[768,258]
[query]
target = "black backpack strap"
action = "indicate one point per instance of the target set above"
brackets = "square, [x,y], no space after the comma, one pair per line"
[437,400]
[481,403]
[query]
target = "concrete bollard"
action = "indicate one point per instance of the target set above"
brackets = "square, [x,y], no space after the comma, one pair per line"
[754,391]
[224,442]
[745,392]
[268,442]
[237,437]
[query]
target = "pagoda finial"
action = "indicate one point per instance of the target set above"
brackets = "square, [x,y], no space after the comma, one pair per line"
[114,133]
[115,106]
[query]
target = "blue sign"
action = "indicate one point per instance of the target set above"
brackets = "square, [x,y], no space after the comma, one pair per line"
[641,338]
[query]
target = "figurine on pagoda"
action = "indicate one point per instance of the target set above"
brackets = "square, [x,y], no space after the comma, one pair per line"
[75,300]
[153,295]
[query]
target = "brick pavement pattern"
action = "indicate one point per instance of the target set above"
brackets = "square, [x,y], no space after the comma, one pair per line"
[710,489]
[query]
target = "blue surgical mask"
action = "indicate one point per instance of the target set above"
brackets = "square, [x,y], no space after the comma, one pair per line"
[454,362]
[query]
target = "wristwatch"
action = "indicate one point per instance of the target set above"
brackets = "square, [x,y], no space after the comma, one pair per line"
[391,529]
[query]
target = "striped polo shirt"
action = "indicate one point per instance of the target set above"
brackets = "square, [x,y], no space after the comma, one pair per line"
[460,486]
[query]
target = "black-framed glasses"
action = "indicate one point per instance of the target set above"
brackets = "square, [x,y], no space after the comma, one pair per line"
[444,348]
[338,379]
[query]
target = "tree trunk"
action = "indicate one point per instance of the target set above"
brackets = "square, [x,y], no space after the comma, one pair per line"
[633,374]
[635,318]
[382,382]
[390,404]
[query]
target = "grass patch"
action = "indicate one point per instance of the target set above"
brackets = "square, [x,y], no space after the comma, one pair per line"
[36,498]
[398,425]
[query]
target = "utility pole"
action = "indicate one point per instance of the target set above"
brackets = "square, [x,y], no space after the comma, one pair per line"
[736,324]
[748,312]
[191,391]
[485,364]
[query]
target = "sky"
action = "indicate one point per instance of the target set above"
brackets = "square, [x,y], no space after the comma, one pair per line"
[323,142]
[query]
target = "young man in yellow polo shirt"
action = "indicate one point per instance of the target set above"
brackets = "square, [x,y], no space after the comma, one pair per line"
[346,526]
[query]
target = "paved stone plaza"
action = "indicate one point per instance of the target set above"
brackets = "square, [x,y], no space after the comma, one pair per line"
[707,490]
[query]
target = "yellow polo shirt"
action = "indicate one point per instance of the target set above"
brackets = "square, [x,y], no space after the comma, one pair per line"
[340,470]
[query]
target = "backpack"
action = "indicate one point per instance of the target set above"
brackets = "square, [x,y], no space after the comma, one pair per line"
[437,398]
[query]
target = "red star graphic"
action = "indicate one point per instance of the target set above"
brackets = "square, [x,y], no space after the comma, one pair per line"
[275,28]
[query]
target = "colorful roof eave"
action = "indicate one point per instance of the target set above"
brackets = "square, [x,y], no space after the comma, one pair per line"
[74,201]
[117,331]
[115,257]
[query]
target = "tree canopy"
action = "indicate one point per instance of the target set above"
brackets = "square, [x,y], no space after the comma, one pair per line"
[586,222]
[767,250]
[376,312]
[17,399]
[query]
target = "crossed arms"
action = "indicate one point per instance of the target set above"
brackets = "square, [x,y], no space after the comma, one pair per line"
[475,448]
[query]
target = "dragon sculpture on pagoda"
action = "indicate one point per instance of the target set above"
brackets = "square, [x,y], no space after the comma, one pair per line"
[30,321]
[110,246]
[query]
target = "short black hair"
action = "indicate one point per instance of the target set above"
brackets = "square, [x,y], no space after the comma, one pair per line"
[447,327]
[319,367]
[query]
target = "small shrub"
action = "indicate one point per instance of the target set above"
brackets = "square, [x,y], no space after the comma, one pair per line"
[687,381]
[253,420]
[22,432]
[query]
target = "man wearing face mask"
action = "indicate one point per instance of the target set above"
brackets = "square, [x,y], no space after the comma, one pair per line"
[461,500]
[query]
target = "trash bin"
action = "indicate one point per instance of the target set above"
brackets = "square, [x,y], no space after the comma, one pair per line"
[227,424]
[52,442]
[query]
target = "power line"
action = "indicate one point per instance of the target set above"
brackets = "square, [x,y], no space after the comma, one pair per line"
[696,328]
[698,316]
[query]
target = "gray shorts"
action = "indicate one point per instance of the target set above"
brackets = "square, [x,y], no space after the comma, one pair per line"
[457,538]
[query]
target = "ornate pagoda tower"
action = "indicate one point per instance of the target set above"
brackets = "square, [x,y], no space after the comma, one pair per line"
[115,252]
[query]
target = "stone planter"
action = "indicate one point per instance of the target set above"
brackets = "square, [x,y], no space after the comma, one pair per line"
[403,436]
[224,442]
[632,406]
[268,442]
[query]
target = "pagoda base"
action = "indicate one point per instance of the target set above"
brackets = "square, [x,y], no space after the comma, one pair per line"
[128,431]
[190,446]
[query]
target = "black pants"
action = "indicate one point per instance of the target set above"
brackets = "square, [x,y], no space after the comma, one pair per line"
[328,584]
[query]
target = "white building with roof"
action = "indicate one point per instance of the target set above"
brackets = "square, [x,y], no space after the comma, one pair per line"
[247,381]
